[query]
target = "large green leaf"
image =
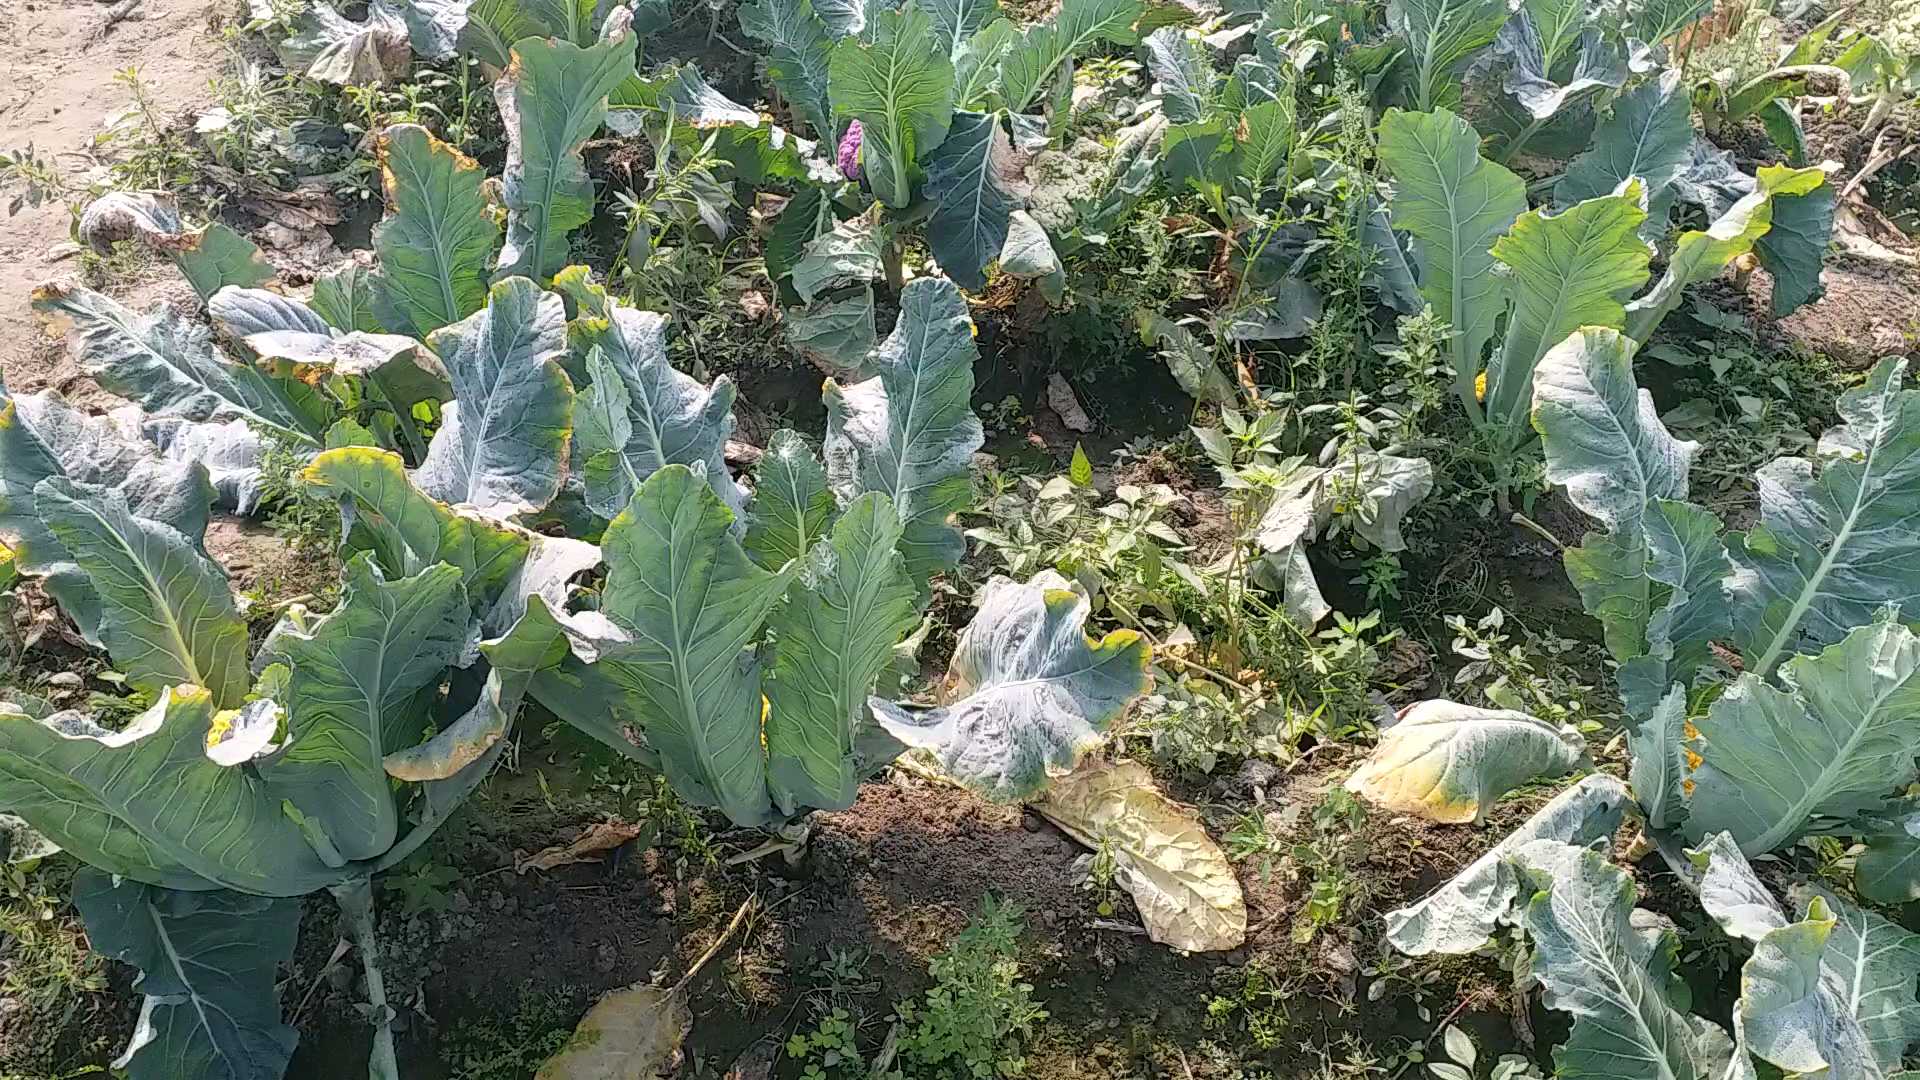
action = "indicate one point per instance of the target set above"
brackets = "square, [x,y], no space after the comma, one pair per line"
[1178,61]
[847,253]
[1658,769]
[837,333]
[899,84]
[167,616]
[1699,256]
[850,605]
[1654,21]
[1455,203]
[1028,691]
[639,413]
[798,51]
[1440,37]
[436,245]
[1031,63]
[974,182]
[1794,248]
[408,531]
[326,46]
[169,367]
[1460,916]
[1616,980]
[684,602]
[359,686]
[792,505]
[910,432]
[552,99]
[343,298]
[1649,135]
[1603,436]
[1831,548]
[41,436]
[955,22]
[149,803]
[1449,762]
[502,443]
[1873,963]
[976,63]
[1797,992]
[1831,741]
[1565,271]
[209,965]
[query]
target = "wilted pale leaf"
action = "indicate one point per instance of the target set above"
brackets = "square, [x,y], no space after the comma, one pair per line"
[1449,762]
[1461,915]
[1029,692]
[1178,877]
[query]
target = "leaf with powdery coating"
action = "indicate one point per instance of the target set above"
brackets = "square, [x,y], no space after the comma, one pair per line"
[437,242]
[1029,692]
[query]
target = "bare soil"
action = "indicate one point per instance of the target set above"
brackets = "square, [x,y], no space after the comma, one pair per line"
[56,92]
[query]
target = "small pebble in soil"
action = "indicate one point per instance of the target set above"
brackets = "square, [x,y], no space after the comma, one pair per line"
[65,678]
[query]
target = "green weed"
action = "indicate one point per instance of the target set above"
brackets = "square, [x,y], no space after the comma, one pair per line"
[513,1045]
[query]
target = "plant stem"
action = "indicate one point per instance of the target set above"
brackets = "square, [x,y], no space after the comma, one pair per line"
[356,903]
[1520,140]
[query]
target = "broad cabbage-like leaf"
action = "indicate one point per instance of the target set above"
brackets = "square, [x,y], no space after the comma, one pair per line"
[1614,977]
[1441,36]
[1835,545]
[436,245]
[1796,1006]
[1179,63]
[1888,871]
[1192,363]
[1654,21]
[166,614]
[1654,579]
[910,432]
[1179,878]
[501,565]
[1028,692]
[1649,134]
[955,22]
[847,253]
[502,445]
[209,963]
[1604,440]
[1698,256]
[668,655]
[792,505]
[838,333]
[1658,769]
[639,413]
[797,55]
[847,608]
[1455,203]
[42,437]
[151,804]
[1830,741]
[169,367]
[1796,246]
[1524,53]
[976,62]
[552,99]
[359,685]
[1565,271]
[1448,762]
[231,452]
[292,339]
[1031,63]
[1873,962]
[1460,916]
[975,180]
[898,82]
[210,257]
[343,298]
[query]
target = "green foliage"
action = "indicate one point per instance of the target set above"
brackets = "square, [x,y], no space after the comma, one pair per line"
[513,1043]
[970,1023]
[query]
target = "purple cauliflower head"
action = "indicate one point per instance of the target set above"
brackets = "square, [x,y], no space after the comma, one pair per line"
[849,156]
